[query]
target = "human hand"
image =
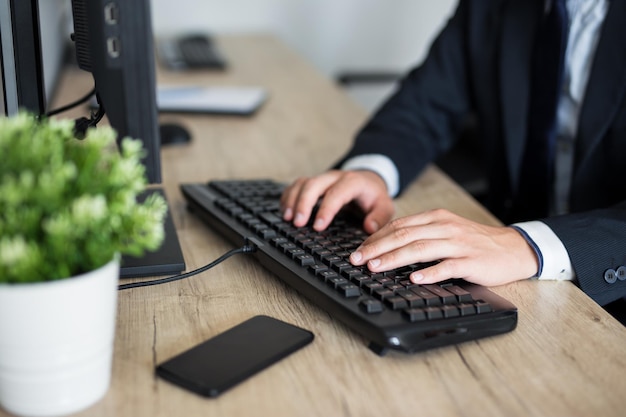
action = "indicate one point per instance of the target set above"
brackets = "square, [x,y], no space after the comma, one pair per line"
[338,188]
[478,253]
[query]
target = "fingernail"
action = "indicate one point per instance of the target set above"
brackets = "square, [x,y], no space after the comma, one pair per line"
[417,277]
[356,257]
[319,224]
[299,218]
[374,225]
[374,263]
[288,214]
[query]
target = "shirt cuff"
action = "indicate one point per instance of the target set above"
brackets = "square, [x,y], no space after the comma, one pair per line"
[381,165]
[554,261]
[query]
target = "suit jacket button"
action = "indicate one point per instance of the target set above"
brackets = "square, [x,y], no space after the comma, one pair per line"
[610,276]
[621,273]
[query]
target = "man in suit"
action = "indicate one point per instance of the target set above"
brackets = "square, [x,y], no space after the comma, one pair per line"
[487,63]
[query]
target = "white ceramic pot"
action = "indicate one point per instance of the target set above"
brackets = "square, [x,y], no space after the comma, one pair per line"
[56,342]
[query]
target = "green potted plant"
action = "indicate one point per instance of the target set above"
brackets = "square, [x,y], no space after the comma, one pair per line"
[68,210]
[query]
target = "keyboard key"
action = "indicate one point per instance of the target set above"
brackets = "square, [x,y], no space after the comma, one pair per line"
[445,296]
[361,279]
[394,287]
[312,246]
[428,297]
[277,241]
[327,275]
[372,286]
[466,309]
[332,260]
[287,246]
[267,234]
[317,267]
[415,314]
[371,305]
[377,275]
[408,284]
[305,259]
[433,313]
[482,307]
[252,222]
[304,242]
[322,253]
[336,281]
[270,218]
[450,311]
[461,294]
[386,281]
[342,266]
[349,290]
[396,303]
[351,272]
[295,252]
[413,299]
[382,293]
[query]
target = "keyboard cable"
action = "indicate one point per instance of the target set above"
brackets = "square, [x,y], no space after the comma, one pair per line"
[247,248]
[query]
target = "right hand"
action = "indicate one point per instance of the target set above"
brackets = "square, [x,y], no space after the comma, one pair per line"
[338,188]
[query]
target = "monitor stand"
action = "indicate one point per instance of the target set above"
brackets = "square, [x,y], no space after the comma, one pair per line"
[166,260]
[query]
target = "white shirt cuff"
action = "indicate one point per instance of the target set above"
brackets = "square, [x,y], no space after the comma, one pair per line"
[556,262]
[381,165]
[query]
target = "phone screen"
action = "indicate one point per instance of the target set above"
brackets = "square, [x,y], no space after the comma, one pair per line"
[221,362]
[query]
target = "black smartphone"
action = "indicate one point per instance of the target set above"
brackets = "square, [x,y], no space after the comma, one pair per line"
[223,361]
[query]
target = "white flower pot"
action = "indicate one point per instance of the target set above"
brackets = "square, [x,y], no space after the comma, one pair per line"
[56,342]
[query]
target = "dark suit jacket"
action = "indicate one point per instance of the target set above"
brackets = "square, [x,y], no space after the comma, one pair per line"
[479,65]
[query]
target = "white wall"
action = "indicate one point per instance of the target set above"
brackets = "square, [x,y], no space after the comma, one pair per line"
[335,35]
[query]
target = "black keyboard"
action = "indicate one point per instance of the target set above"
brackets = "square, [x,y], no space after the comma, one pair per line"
[386,308]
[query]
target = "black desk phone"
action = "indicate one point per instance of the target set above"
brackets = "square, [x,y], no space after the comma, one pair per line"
[191,51]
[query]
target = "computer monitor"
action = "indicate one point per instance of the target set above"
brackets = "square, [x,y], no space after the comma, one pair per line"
[21,67]
[114,42]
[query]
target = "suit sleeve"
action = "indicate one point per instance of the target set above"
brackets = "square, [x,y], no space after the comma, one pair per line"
[422,118]
[596,243]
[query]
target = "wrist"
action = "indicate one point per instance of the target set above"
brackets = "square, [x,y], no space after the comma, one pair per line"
[534,250]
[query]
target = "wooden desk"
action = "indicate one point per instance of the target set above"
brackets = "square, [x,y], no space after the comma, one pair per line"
[566,358]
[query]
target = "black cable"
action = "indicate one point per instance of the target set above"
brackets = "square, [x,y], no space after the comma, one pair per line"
[100,113]
[73,104]
[244,249]
[82,123]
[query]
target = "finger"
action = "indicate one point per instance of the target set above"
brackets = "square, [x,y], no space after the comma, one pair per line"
[396,236]
[289,197]
[415,252]
[309,194]
[381,213]
[441,271]
[342,192]
[436,217]
[364,188]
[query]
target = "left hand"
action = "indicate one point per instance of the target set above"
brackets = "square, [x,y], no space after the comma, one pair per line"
[485,255]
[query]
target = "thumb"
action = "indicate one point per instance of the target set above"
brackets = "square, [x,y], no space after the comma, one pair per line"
[379,216]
